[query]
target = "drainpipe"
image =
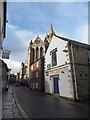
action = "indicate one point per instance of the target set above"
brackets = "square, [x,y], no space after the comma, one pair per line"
[75,85]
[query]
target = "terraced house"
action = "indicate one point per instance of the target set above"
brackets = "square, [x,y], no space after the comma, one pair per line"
[67,68]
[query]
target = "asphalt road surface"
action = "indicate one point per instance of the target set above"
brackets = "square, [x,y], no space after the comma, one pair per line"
[38,105]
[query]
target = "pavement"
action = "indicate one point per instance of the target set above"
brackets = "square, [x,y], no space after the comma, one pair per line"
[9,106]
[39,105]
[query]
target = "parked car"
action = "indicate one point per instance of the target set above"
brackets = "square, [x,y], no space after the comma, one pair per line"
[17,84]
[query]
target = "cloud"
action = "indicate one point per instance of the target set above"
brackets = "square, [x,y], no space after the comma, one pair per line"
[20,35]
[40,15]
[72,9]
[13,65]
[17,39]
[42,36]
[62,34]
[82,33]
[48,0]
[17,42]
[32,19]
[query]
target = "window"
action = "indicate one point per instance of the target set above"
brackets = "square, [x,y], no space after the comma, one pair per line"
[41,52]
[37,53]
[36,74]
[37,64]
[83,75]
[54,58]
[36,85]
[31,75]
[89,56]
[32,67]
[32,55]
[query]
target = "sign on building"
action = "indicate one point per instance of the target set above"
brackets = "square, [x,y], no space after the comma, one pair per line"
[48,66]
[5,54]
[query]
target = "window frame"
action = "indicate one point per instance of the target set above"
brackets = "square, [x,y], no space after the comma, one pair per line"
[37,75]
[54,58]
[88,52]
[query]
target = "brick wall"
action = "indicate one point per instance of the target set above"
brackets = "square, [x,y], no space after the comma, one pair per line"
[38,81]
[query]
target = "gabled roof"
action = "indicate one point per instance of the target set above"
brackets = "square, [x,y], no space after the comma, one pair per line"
[38,40]
[73,42]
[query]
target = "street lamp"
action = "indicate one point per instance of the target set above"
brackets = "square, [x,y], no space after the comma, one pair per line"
[65,50]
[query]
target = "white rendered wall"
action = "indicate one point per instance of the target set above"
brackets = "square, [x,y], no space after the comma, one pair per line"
[65,82]
[60,45]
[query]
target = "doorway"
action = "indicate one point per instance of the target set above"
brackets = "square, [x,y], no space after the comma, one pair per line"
[56,85]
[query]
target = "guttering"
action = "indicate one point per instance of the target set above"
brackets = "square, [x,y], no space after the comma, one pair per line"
[4,17]
[74,72]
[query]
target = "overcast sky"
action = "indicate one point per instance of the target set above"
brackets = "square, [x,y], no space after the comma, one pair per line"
[26,20]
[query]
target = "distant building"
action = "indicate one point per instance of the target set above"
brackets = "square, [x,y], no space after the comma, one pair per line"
[35,67]
[12,78]
[67,68]
[17,77]
[26,77]
[21,77]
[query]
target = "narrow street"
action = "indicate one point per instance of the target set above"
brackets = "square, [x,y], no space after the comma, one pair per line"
[44,59]
[38,105]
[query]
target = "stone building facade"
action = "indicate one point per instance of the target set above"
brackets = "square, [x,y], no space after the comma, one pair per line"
[21,75]
[35,67]
[67,68]
[25,71]
[4,74]
[36,64]
[81,58]
[17,77]
[12,78]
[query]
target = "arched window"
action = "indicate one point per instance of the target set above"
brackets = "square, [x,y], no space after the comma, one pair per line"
[41,52]
[37,53]
[33,53]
